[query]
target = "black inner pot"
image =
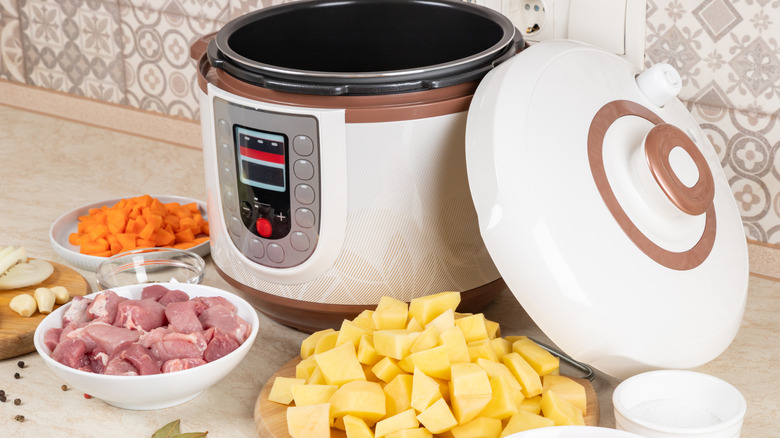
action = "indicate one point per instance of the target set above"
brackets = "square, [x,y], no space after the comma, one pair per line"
[364,46]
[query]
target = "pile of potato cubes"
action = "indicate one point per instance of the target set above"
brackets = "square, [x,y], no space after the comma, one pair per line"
[424,370]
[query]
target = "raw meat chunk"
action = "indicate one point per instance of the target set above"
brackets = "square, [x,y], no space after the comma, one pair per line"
[71,353]
[182,317]
[77,312]
[173,296]
[153,292]
[108,337]
[214,301]
[104,306]
[142,315]
[52,337]
[140,357]
[98,361]
[226,320]
[179,345]
[120,367]
[219,346]
[181,364]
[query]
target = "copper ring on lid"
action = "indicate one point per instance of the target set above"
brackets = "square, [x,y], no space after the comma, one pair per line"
[659,143]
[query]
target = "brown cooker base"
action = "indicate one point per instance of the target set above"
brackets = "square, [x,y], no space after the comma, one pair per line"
[310,317]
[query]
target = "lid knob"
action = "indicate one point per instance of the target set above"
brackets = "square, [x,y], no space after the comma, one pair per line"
[679,169]
[659,83]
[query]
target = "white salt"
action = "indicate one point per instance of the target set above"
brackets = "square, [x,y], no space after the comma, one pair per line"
[674,413]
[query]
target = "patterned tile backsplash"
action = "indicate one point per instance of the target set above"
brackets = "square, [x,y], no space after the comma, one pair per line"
[136,53]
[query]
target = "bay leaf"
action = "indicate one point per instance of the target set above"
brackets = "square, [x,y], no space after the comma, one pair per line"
[170,430]
[192,435]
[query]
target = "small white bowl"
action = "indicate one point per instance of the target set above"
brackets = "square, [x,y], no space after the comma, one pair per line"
[151,391]
[573,432]
[150,265]
[676,403]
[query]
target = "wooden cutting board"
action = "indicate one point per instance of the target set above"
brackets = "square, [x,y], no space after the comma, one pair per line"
[16,332]
[271,417]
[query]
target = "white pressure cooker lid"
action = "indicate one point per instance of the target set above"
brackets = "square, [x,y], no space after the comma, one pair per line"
[604,207]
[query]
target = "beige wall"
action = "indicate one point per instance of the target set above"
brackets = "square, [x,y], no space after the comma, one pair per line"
[136,53]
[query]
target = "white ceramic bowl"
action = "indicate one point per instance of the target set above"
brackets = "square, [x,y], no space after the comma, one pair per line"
[573,432]
[150,265]
[676,403]
[68,223]
[151,391]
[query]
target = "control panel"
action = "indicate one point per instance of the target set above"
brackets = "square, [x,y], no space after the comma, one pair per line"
[269,179]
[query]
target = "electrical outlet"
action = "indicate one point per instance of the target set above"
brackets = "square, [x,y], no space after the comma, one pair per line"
[529,17]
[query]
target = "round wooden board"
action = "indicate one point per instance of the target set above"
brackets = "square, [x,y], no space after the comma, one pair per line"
[271,417]
[16,332]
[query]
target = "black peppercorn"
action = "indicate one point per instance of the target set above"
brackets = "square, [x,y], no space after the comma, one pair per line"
[20,364]
[2,392]
[19,418]
[64,387]
[17,376]
[17,401]
[2,398]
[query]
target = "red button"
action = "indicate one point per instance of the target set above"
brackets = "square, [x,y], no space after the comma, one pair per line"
[264,228]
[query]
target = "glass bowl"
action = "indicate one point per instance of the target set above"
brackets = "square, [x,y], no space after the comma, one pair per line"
[150,265]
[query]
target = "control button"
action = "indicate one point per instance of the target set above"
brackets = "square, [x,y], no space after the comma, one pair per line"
[304,193]
[264,228]
[275,253]
[226,173]
[303,169]
[246,209]
[224,153]
[229,199]
[303,145]
[299,241]
[304,217]
[224,127]
[236,226]
[256,249]
[281,217]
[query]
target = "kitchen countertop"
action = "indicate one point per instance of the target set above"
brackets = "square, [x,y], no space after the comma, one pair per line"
[49,166]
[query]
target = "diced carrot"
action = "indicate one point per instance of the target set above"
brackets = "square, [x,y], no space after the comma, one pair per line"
[127,240]
[172,220]
[205,228]
[93,248]
[116,220]
[147,232]
[188,222]
[199,240]
[164,238]
[98,231]
[73,239]
[142,243]
[184,245]
[185,235]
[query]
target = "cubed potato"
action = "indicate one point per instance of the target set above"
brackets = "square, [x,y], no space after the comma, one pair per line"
[425,309]
[425,390]
[360,398]
[493,329]
[466,409]
[420,432]
[350,332]
[541,360]
[524,373]
[366,353]
[429,338]
[455,343]
[503,403]
[305,367]
[316,377]
[386,369]
[312,421]
[567,389]
[498,369]
[531,404]
[501,347]
[356,428]
[480,427]
[413,325]
[281,390]
[434,362]
[394,343]
[326,342]
[304,395]
[560,411]
[308,344]
[398,394]
[469,380]
[438,417]
[403,420]
[444,321]
[482,348]
[524,420]
[390,314]
[473,327]
[366,320]
[339,365]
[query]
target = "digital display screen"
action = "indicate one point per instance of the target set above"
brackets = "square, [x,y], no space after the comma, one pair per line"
[262,159]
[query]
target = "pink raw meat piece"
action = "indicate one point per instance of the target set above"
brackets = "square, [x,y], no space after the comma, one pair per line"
[182,317]
[173,296]
[219,346]
[120,367]
[108,337]
[226,320]
[182,364]
[77,312]
[139,357]
[178,346]
[77,331]
[140,315]
[213,302]
[71,352]
[153,292]
[98,360]
[104,306]
[52,337]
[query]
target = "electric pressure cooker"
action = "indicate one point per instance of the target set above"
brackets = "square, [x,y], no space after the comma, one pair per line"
[362,148]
